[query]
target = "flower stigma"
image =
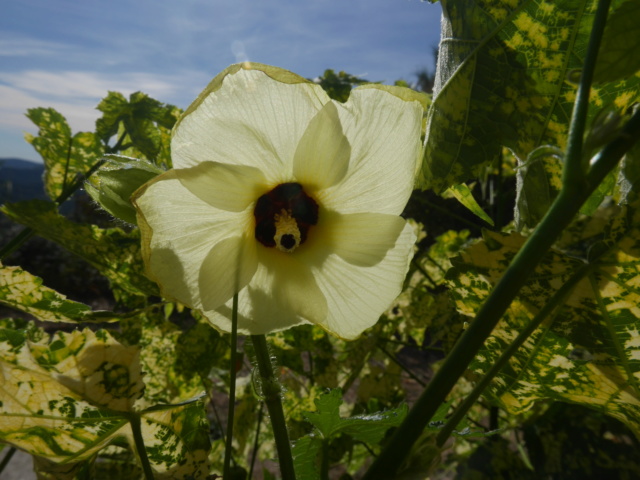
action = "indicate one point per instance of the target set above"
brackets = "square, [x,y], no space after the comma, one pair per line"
[284,216]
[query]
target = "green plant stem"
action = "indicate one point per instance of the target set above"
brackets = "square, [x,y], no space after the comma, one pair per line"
[15,243]
[136,428]
[256,441]
[558,217]
[395,360]
[561,213]
[574,170]
[556,300]
[271,393]
[324,465]
[608,157]
[232,389]
[566,205]
[7,458]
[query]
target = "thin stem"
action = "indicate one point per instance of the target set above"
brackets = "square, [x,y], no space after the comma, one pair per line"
[400,364]
[453,215]
[15,243]
[324,465]
[422,270]
[271,392]
[556,300]
[214,409]
[574,173]
[232,389]
[136,429]
[7,458]
[256,441]
[118,145]
[608,157]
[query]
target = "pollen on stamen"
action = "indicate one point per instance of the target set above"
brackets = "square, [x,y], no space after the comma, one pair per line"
[287,236]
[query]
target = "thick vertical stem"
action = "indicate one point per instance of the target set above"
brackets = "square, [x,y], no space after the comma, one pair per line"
[271,391]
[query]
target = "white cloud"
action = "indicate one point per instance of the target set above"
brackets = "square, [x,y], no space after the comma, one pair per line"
[93,85]
[75,94]
[29,47]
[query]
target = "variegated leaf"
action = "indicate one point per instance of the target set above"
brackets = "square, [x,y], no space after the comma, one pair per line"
[64,155]
[502,81]
[25,292]
[114,253]
[589,352]
[66,400]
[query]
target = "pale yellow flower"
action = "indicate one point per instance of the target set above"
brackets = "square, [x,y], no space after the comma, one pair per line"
[287,197]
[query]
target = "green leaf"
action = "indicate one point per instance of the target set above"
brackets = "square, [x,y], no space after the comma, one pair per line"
[101,370]
[338,85]
[25,292]
[540,180]
[22,291]
[166,379]
[141,120]
[54,399]
[463,194]
[502,81]
[64,155]
[114,183]
[557,441]
[365,428]
[588,352]
[618,57]
[305,453]
[113,252]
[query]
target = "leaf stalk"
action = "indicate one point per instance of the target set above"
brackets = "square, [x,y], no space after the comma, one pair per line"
[271,391]
[136,429]
[556,300]
[232,389]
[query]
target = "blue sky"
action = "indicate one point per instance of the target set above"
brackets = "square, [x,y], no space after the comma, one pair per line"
[67,54]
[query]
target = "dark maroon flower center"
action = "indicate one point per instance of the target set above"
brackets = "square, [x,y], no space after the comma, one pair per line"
[284,216]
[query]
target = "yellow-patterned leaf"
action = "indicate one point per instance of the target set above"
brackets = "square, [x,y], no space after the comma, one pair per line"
[589,351]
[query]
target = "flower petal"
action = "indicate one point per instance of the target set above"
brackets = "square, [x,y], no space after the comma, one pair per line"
[322,157]
[178,230]
[292,284]
[226,269]
[363,239]
[249,115]
[282,293]
[384,133]
[356,295]
[227,187]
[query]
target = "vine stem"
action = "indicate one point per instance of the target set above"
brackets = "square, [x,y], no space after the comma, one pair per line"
[7,458]
[256,441]
[271,392]
[136,428]
[67,191]
[575,191]
[232,388]
[557,300]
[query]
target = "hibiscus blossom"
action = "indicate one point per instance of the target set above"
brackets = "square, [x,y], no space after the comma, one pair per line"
[288,198]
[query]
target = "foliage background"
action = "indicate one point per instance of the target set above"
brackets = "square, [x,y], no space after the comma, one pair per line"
[504,79]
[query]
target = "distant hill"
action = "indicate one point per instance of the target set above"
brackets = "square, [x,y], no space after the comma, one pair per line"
[20,180]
